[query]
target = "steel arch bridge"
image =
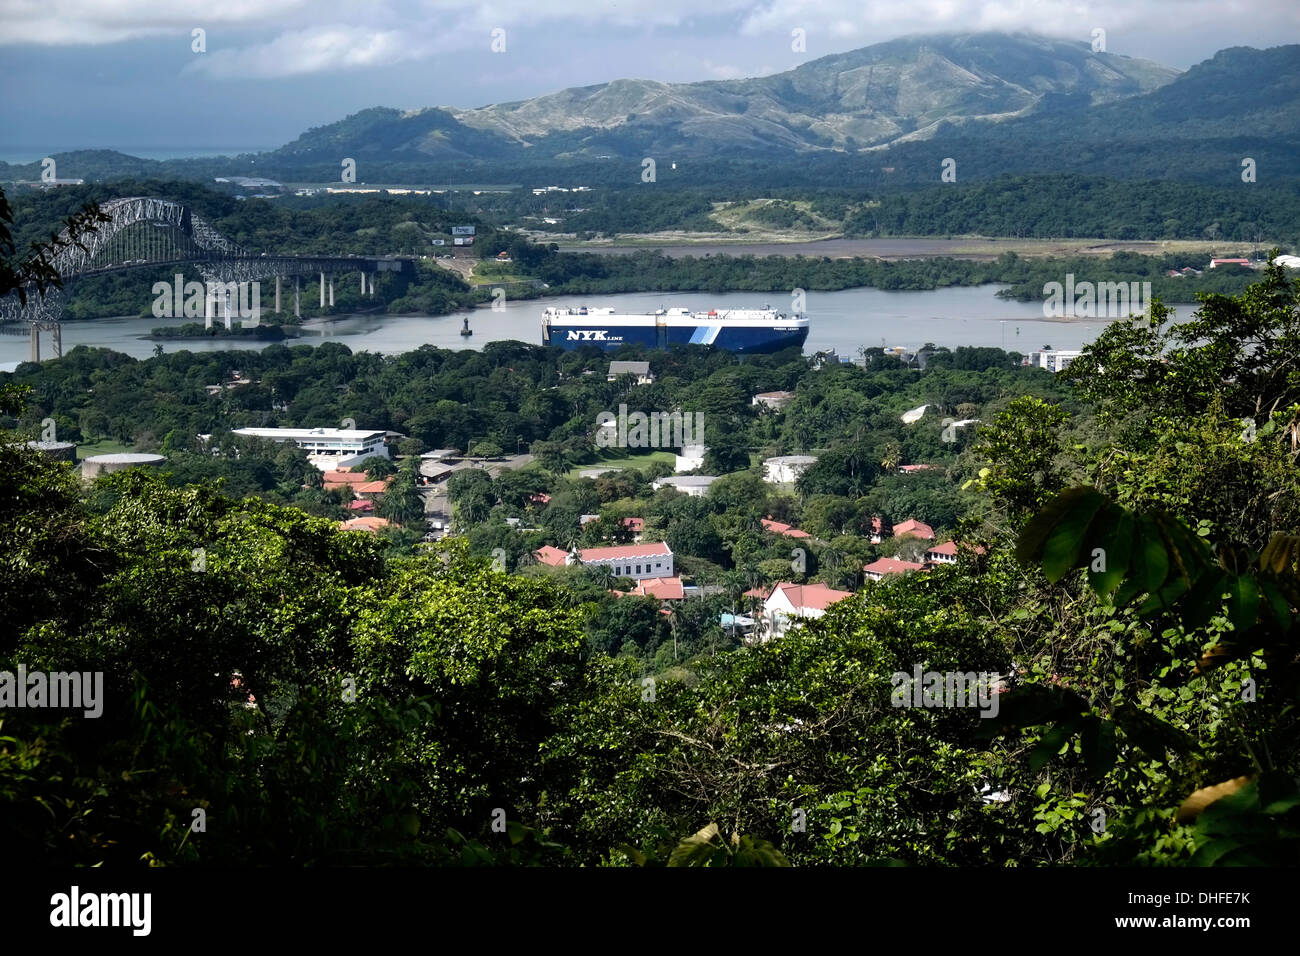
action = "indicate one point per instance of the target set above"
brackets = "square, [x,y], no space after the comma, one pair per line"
[146,232]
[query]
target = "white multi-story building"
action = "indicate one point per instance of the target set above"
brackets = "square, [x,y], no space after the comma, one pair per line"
[328,448]
[1054,360]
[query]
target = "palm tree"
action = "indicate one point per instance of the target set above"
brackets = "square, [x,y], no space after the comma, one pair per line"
[893,457]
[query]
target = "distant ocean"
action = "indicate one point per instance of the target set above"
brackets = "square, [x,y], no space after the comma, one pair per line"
[18,155]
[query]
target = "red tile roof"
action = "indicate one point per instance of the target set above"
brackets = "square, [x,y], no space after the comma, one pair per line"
[949,549]
[636,524]
[617,552]
[361,505]
[345,478]
[891,566]
[364,524]
[553,556]
[918,529]
[908,469]
[665,589]
[815,596]
[778,527]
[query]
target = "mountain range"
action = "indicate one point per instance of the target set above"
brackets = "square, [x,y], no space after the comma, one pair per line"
[885,114]
[905,89]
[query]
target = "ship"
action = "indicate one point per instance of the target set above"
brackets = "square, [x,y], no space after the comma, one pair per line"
[736,330]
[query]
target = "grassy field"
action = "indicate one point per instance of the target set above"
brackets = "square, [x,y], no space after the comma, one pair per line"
[105,446]
[633,461]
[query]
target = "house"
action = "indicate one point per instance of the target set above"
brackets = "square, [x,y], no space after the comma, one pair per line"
[1189,271]
[697,486]
[1215,263]
[555,557]
[665,589]
[503,257]
[640,369]
[691,458]
[916,529]
[946,553]
[361,506]
[786,469]
[365,524]
[879,568]
[788,603]
[636,526]
[539,498]
[913,469]
[369,489]
[344,479]
[788,531]
[773,400]
[637,561]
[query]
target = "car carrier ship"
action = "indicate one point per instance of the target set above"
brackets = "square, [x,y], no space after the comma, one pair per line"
[737,330]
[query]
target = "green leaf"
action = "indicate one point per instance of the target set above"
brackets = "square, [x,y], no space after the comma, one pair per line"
[1029,546]
[1151,563]
[1243,602]
[1117,544]
[1061,551]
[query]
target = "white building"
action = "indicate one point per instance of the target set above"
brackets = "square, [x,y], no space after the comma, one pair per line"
[789,603]
[697,486]
[328,448]
[773,400]
[1054,360]
[636,561]
[787,468]
[640,369]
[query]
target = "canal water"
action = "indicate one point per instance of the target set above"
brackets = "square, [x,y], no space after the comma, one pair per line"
[845,321]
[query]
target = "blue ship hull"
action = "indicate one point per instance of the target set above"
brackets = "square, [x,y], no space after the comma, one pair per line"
[737,338]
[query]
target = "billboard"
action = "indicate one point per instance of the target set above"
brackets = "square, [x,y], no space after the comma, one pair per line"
[438,242]
[463,241]
[462,230]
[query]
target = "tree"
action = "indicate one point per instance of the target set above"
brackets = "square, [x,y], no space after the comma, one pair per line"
[36,267]
[401,501]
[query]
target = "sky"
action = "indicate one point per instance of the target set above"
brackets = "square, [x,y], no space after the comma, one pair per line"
[133,75]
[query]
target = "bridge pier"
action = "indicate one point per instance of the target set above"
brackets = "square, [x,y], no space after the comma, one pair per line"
[277,295]
[207,305]
[372,283]
[36,343]
[58,340]
[331,292]
[297,297]
[322,290]
[363,281]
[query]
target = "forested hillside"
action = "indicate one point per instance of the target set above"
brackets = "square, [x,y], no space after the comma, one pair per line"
[1128,565]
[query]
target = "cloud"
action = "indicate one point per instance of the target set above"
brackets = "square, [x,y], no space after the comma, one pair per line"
[99,22]
[872,22]
[314,50]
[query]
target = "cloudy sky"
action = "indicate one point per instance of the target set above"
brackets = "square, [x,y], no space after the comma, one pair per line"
[124,74]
